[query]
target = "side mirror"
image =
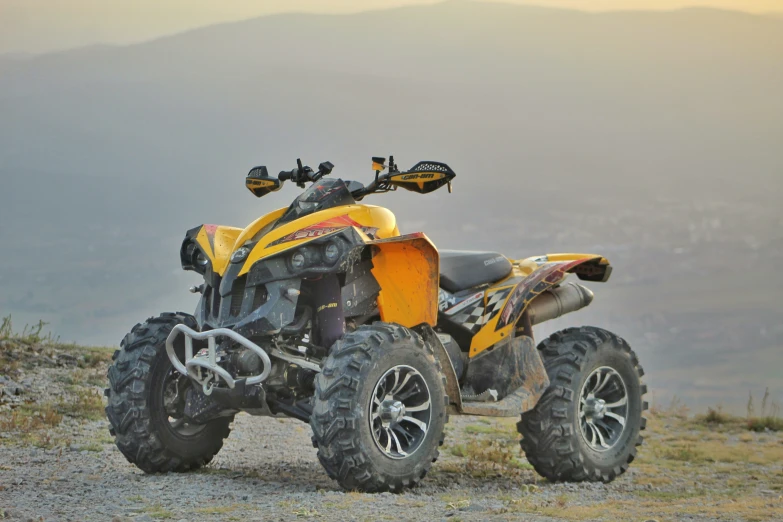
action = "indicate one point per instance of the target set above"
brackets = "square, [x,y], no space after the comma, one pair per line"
[260,183]
[378,163]
[424,177]
[325,168]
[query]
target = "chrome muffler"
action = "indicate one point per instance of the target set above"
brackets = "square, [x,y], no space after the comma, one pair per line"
[553,303]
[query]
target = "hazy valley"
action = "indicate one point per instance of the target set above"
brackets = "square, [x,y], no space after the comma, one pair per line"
[652,138]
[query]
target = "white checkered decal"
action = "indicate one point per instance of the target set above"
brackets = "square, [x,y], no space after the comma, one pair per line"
[476,316]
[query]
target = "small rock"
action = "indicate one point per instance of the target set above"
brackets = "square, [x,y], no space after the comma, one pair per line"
[9,387]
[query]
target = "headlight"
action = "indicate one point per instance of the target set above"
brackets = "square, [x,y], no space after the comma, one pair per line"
[200,259]
[298,260]
[240,255]
[191,256]
[331,252]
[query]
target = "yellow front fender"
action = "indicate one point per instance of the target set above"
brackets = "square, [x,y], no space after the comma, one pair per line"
[217,243]
[407,270]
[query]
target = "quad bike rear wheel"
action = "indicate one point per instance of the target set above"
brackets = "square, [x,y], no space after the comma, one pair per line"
[146,402]
[380,408]
[586,426]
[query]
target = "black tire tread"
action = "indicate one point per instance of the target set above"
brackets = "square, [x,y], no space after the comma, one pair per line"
[128,399]
[546,433]
[335,433]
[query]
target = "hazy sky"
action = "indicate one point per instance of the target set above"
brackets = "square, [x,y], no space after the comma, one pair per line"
[34,26]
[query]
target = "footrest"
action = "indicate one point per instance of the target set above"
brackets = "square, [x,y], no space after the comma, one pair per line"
[511,405]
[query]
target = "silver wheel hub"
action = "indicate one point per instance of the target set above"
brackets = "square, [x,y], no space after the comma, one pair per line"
[595,408]
[391,412]
[603,408]
[400,411]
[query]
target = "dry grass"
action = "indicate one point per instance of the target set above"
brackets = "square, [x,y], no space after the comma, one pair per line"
[765,423]
[84,403]
[32,346]
[706,466]
[664,508]
[716,416]
[490,448]
[32,424]
[29,418]
[157,511]
[305,512]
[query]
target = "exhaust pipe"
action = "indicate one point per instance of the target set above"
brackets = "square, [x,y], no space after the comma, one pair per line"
[559,301]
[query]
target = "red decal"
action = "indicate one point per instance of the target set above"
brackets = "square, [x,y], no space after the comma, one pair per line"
[531,286]
[323,228]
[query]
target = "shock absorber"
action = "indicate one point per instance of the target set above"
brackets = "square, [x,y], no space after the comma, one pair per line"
[329,318]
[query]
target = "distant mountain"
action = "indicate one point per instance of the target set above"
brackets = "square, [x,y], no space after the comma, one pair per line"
[651,137]
[53,25]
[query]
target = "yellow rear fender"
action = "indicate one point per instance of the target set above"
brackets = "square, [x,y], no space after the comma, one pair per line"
[587,267]
[407,270]
[530,278]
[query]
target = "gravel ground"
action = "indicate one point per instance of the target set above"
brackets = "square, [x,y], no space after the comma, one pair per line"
[268,470]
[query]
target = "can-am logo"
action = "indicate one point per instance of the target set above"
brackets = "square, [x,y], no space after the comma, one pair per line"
[494,260]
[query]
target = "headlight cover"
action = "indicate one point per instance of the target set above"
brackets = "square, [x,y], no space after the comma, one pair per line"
[331,252]
[298,260]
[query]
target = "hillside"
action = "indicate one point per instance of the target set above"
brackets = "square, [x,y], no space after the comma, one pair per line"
[59,462]
[652,138]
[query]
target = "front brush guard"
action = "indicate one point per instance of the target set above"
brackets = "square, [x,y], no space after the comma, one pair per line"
[193,365]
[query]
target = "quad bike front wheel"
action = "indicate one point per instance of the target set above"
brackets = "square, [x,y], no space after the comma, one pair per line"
[146,402]
[586,426]
[380,408]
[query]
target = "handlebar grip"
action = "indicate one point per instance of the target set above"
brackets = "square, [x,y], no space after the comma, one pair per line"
[286,175]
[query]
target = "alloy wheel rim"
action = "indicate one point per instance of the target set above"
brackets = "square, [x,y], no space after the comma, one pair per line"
[400,412]
[603,408]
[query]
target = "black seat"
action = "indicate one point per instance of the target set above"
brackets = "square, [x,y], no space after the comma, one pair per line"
[460,270]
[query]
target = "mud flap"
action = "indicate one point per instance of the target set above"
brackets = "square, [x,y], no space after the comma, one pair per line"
[515,370]
[447,367]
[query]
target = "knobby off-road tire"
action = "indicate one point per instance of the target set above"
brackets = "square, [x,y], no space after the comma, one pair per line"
[144,431]
[557,439]
[353,445]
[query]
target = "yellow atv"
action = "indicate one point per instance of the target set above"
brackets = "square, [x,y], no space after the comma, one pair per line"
[323,312]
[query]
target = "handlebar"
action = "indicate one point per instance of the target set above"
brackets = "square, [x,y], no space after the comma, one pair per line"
[302,173]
